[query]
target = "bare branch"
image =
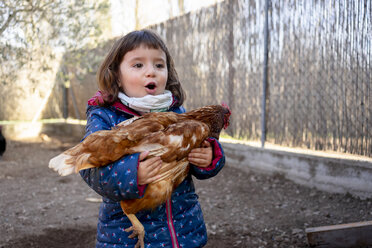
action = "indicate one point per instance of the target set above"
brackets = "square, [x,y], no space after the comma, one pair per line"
[6,24]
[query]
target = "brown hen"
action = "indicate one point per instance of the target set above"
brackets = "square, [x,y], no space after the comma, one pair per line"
[168,135]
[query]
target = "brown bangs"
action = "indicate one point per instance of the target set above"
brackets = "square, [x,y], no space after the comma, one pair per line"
[146,38]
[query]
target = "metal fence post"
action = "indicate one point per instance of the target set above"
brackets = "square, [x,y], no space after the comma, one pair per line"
[230,58]
[264,83]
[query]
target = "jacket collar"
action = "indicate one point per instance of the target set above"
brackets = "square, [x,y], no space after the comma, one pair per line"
[98,98]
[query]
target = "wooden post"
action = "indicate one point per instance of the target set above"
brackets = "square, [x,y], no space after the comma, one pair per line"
[357,234]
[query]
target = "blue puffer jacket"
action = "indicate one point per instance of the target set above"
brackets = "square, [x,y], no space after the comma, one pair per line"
[177,223]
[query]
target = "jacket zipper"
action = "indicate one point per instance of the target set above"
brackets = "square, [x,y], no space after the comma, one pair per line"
[170,224]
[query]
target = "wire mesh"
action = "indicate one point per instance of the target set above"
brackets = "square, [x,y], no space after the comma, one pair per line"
[319,84]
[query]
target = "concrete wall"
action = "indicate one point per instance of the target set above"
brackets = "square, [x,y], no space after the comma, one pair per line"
[332,174]
[64,129]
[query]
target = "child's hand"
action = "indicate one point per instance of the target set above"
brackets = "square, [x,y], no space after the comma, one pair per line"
[148,168]
[201,157]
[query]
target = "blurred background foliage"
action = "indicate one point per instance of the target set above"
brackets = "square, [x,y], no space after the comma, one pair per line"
[34,36]
[34,32]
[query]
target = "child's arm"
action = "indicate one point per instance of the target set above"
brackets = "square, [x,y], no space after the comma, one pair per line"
[201,169]
[118,180]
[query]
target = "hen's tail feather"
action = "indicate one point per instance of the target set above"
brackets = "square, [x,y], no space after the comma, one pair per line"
[59,164]
[81,162]
[66,164]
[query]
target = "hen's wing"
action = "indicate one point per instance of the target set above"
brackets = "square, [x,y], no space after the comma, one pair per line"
[173,145]
[103,147]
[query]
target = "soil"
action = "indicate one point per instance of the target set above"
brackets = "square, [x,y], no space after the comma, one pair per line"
[38,208]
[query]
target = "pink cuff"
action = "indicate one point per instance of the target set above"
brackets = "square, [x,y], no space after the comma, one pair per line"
[141,189]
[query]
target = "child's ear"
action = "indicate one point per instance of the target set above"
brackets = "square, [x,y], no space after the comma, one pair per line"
[118,82]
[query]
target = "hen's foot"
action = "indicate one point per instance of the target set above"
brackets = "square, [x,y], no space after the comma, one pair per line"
[137,232]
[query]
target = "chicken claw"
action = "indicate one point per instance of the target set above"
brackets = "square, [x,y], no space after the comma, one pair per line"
[137,229]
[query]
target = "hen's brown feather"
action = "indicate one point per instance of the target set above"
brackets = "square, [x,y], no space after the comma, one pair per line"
[106,146]
[168,135]
[159,191]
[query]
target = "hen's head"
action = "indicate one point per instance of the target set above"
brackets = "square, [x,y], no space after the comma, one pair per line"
[215,116]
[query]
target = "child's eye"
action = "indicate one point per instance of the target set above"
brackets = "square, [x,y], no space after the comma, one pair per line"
[138,65]
[160,66]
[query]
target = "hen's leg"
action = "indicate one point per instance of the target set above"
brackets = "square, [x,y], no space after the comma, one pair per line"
[137,229]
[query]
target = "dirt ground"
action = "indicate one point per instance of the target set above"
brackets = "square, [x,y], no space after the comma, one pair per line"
[241,209]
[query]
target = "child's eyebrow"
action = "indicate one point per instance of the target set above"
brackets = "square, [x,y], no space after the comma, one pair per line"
[143,57]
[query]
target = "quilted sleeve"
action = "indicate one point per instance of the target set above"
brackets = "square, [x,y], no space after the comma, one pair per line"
[116,181]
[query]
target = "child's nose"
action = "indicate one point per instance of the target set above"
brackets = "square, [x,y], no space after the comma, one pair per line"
[150,72]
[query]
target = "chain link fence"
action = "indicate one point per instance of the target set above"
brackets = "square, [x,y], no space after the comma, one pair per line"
[320,83]
[319,92]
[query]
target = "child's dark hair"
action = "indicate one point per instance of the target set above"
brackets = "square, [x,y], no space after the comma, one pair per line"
[108,73]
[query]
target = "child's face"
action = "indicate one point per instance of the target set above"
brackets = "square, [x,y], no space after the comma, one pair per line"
[143,71]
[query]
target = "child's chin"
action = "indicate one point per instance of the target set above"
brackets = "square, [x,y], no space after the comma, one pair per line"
[153,92]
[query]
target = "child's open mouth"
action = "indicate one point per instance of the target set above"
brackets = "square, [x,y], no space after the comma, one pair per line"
[151,86]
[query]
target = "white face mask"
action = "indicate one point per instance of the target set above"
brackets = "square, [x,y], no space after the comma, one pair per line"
[148,103]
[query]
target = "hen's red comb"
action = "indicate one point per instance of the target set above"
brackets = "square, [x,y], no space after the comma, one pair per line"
[223,104]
